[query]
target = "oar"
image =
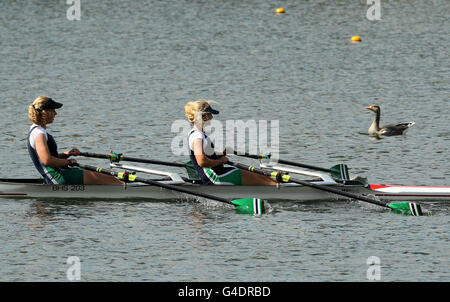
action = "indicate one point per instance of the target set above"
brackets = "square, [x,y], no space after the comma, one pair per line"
[254,206]
[114,157]
[339,171]
[404,207]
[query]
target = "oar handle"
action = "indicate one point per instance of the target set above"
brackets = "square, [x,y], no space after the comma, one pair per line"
[155,183]
[133,159]
[281,161]
[94,155]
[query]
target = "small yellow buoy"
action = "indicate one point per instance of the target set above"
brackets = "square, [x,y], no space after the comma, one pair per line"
[355,39]
[279,10]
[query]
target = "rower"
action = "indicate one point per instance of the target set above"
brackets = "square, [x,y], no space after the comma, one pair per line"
[43,150]
[208,163]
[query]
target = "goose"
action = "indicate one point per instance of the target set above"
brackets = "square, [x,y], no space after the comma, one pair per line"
[386,130]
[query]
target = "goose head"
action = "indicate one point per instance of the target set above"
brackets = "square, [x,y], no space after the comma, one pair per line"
[374,108]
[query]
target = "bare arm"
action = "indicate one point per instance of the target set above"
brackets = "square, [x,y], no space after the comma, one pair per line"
[45,156]
[201,158]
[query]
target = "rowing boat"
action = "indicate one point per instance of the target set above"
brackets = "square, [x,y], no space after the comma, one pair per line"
[36,188]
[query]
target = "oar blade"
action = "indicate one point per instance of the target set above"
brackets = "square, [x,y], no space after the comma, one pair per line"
[254,206]
[340,171]
[410,208]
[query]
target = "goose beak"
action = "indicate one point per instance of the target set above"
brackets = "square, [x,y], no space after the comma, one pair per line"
[370,107]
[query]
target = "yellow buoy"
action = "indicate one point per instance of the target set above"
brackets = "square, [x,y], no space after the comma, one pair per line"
[355,39]
[280,10]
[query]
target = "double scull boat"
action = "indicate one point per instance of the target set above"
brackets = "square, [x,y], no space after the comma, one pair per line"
[35,188]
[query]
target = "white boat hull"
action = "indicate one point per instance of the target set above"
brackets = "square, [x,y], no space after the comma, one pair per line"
[294,192]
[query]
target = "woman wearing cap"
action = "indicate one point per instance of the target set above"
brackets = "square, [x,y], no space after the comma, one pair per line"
[54,166]
[207,163]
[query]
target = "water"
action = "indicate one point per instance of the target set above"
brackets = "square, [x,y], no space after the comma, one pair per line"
[124,73]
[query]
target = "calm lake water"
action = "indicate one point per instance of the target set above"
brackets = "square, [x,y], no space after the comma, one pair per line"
[124,72]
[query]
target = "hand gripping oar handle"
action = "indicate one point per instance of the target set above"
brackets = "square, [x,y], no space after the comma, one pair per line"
[244,205]
[114,157]
[411,208]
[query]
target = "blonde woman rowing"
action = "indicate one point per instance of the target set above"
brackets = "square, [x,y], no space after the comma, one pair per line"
[209,165]
[54,166]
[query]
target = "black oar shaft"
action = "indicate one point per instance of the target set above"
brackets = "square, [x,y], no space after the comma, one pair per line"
[133,159]
[286,162]
[309,184]
[156,183]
